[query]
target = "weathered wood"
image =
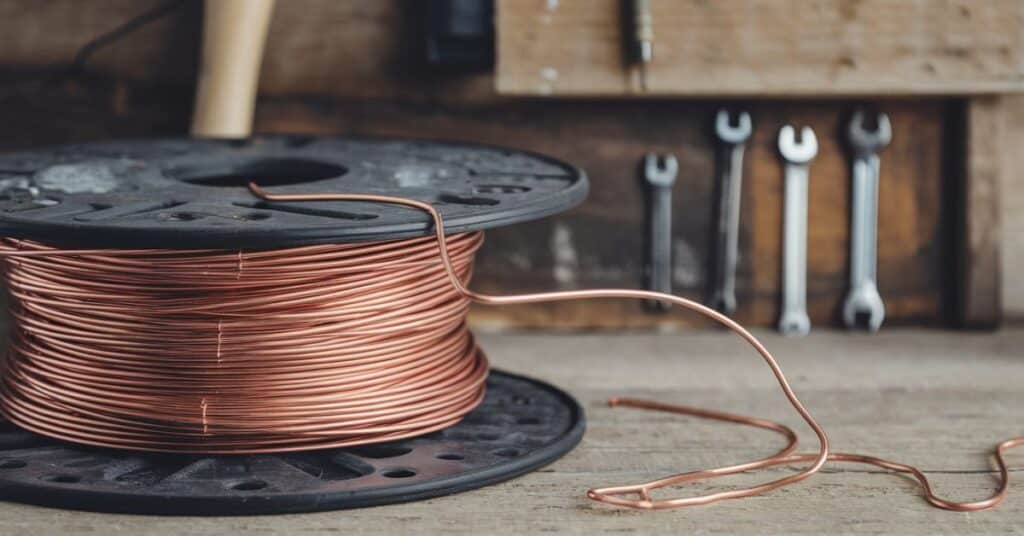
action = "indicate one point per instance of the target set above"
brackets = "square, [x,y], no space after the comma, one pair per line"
[764,47]
[984,160]
[314,47]
[1011,194]
[936,400]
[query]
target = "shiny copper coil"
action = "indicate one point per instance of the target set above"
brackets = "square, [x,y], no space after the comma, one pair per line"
[61,310]
[240,352]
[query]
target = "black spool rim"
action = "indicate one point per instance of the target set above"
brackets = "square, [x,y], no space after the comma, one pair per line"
[33,470]
[190,193]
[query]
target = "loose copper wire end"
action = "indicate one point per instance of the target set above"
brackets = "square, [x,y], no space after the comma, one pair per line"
[613,495]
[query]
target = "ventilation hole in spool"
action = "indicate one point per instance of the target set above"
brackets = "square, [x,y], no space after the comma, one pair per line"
[12,464]
[488,436]
[399,473]
[265,172]
[528,420]
[506,453]
[311,211]
[181,216]
[255,216]
[88,462]
[500,189]
[520,400]
[378,452]
[249,485]
[464,200]
[450,456]
[62,479]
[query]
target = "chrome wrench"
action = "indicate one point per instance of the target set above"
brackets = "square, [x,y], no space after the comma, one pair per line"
[732,139]
[659,175]
[863,307]
[798,156]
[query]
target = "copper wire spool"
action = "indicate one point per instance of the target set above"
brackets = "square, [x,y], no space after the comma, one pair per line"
[303,348]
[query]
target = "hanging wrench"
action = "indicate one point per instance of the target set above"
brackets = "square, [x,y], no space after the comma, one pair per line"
[798,156]
[732,141]
[659,175]
[863,306]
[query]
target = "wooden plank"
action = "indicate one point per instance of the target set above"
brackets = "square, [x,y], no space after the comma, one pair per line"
[340,48]
[1011,194]
[981,275]
[871,394]
[764,47]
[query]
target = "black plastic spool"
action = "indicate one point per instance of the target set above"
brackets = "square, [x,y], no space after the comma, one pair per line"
[189,194]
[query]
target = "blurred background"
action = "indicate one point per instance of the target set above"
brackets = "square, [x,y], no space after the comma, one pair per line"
[563,77]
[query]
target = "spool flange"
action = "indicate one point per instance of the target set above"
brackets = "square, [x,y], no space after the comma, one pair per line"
[521,425]
[189,193]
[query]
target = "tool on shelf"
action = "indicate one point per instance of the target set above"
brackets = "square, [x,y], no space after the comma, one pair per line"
[642,34]
[659,172]
[732,137]
[863,307]
[797,155]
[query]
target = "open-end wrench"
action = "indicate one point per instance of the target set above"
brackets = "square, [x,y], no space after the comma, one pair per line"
[863,307]
[731,140]
[798,156]
[659,175]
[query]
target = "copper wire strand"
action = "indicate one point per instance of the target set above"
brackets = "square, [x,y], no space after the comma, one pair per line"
[231,352]
[209,351]
[617,495]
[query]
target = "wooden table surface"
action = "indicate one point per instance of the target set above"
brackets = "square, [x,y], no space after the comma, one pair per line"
[936,399]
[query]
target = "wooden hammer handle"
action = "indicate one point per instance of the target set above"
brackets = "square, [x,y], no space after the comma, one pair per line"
[234,32]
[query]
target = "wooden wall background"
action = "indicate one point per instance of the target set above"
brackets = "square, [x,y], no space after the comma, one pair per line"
[337,67]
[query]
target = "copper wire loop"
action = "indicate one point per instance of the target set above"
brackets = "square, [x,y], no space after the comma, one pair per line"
[240,352]
[214,351]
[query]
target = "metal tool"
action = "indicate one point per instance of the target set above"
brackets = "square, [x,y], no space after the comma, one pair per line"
[863,307]
[798,156]
[732,138]
[643,36]
[659,175]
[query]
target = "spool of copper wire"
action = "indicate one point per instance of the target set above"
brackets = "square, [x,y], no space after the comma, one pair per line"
[158,305]
[153,314]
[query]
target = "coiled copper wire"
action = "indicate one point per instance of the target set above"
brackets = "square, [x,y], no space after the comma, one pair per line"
[217,352]
[62,317]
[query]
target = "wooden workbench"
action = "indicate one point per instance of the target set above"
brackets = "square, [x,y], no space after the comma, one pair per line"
[938,400]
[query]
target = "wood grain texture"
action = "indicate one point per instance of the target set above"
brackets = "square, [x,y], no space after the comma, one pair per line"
[764,47]
[936,400]
[984,161]
[349,48]
[1011,195]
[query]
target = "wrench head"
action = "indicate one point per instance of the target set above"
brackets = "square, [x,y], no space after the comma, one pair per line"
[660,169]
[795,152]
[863,308]
[794,324]
[733,135]
[866,141]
